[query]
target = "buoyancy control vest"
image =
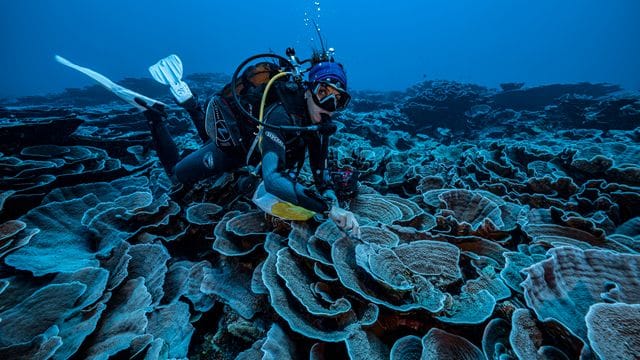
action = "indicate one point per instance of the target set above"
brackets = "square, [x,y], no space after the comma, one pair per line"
[228,126]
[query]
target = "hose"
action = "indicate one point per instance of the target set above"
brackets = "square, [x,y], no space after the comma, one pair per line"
[266,92]
[250,116]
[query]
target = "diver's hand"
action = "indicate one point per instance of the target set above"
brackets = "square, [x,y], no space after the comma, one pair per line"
[345,220]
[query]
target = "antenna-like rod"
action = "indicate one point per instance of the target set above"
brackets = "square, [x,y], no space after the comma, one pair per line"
[324,50]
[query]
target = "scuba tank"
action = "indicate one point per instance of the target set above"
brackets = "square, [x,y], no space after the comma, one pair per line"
[259,79]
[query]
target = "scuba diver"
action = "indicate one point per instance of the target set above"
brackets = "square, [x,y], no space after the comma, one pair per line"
[267,117]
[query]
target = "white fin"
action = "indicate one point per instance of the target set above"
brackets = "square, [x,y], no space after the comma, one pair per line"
[120,91]
[168,71]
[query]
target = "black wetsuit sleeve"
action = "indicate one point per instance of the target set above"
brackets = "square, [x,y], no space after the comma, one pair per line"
[319,167]
[276,180]
[198,116]
[318,164]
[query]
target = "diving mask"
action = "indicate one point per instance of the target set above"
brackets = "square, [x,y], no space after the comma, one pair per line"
[329,96]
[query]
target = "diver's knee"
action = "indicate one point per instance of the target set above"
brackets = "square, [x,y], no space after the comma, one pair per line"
[179,174]
[195,168]
[174,179]
[208,160]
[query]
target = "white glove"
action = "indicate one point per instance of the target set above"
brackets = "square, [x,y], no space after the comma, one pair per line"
[345,221]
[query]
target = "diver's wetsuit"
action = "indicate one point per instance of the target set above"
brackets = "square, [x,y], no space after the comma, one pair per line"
[202,163]
[282,153]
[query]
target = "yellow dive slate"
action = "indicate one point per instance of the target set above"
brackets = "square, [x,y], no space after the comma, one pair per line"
[275,206]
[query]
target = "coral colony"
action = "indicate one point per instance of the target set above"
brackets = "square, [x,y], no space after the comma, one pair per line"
[496,224]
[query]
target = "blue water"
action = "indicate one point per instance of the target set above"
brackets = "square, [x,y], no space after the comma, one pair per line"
[385,45]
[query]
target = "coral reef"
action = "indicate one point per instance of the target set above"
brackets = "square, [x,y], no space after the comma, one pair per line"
[496,224]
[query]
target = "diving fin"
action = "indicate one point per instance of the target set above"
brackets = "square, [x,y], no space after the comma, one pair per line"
[130,96]
[168,71]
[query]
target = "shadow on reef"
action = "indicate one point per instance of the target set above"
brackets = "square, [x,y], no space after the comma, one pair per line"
[496,224]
